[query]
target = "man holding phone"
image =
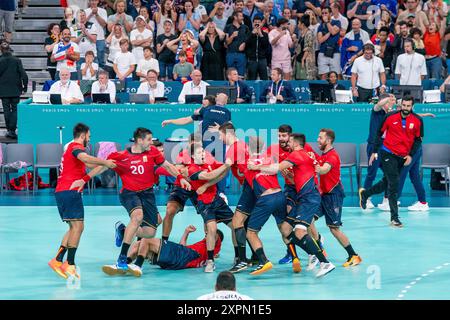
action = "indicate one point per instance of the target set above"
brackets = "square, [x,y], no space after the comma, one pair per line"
[256,50]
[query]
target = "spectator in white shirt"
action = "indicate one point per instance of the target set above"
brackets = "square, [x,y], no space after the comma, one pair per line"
[89,68]
[152,87]
[104,85]
[196,86]
[225,289]
[69,90]
[84,34]
[217,15]
[99,17]
[368,74]
[125,62]
[66,53]
[140,37]
[113,42]
[336,15]
[411,66]
[147,63]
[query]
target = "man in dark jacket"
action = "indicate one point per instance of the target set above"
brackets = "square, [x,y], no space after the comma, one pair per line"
[13,82]
[257,49]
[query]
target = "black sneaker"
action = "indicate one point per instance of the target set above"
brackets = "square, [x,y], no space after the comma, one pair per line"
[362,199]
[238,267]
[396,223]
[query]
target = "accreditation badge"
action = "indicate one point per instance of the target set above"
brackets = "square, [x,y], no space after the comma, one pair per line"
[411,125]
[144,158]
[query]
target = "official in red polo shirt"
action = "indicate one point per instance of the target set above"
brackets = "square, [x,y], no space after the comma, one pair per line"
[403,132]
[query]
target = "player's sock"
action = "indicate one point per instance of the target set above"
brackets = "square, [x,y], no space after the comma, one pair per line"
[165,238]
[139,261]
[310,246]
[319,243]
[211,255]
[125,248]
[240,239]
[350,250]
[261,256]
[292,250]
[253,251]
[129,260]
[236,252]
[60,254]
[71,255]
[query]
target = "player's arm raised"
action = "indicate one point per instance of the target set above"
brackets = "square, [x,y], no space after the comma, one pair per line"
[187,231]
[175,173]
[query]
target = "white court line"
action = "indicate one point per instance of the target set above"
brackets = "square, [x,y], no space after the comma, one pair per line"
[403,292]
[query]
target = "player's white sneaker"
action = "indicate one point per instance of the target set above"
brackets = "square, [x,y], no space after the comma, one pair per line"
[210,266]
[224,197]
[384,206]
[134,270]
[312,262]
[324,269]
[419,206]
[369,204]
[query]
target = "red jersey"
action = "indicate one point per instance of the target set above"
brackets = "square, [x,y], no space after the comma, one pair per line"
[72,169]
[278,155]
[201,249]
[263,180]
[209,195]
[238,153]
[400,137]
[304,169]
[332,178]
[137,170]
[184,158]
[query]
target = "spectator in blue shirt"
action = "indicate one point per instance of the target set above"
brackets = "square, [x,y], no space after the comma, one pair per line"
[277,90]
[328,35]
[362,9]
[244,93]
[300,6]
[389,5]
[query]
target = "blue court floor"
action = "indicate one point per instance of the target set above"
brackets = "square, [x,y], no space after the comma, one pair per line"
[408,263]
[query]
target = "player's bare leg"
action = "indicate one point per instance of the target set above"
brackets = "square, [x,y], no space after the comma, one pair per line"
[211,227]
[171,210]
[353,258]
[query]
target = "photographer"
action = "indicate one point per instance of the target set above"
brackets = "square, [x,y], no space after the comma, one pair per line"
[256,50]
[282,41]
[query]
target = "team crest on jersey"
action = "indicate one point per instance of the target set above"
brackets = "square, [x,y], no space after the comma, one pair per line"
[411,125]
[144,158]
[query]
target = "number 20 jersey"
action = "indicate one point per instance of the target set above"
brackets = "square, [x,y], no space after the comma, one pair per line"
[137,170]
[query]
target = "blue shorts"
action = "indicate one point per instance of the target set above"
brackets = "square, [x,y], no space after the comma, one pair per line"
[145,200]
[331,207]
[174,256]
[290,193]
[274,204]
[247,200]
[70,205]
[308,204]
[217,210]
[181,196]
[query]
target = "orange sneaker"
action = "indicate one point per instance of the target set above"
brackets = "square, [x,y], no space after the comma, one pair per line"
[296,265]
[262,268]
[55,265]
[352,261]
[64,266]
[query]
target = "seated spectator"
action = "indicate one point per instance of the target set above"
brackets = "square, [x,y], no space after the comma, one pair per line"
[411,67]
[363,10]
[84,33]
[239,7]
[352,47]
[120,17]
[432,40]
[270,21]
[7,12]
[196,86]
[445,83]
[167,12]
[66,53]
[140,38]
[236,35]
[333,80]
[89,68]
[384,48]
[305,61]
[282,41]
[225,289]
[104,85]
[190,20]
[98,17]
[257,50]
[69,90]
[300,6]
[185,42]
[166,58]
[277,90]
[54,33]
[113,42]
[146,63]
[328,36]
[213,59]
[217,15]
[251,10]
[125,62]
[69,19]
[244,92]
[183,69]
[420,19]
[152,87]
[336,15]
[417,37]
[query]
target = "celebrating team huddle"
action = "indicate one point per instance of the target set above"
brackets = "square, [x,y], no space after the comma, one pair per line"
[312,190]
